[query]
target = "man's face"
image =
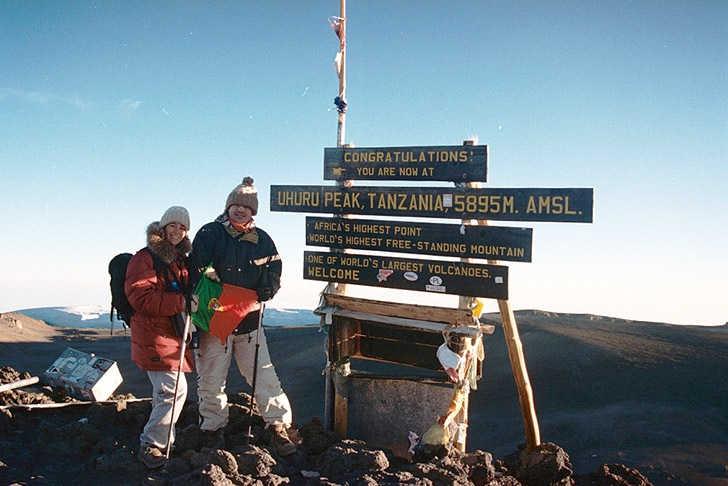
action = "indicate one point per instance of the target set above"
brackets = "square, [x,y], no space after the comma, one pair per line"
[240,214]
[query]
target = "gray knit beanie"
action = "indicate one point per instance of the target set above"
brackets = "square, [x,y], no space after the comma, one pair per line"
[175,214]
[244,195]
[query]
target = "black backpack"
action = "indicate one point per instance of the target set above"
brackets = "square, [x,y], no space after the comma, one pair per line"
[117,270]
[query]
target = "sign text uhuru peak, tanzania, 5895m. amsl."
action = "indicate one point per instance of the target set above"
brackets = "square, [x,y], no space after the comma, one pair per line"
[522,204]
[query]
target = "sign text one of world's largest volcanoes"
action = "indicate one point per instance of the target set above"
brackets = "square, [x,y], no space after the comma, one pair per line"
[438,276]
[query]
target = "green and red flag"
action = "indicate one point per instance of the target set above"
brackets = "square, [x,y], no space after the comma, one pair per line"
[222,307]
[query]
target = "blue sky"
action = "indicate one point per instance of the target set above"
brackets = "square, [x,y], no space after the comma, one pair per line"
[113,111]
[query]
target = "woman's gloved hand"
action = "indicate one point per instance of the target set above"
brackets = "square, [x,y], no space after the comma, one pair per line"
[194,302]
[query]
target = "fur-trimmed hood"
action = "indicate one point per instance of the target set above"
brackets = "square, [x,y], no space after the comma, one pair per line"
[158,244]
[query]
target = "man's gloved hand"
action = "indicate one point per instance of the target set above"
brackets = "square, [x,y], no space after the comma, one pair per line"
[268,283]
[212,275]
[264,294]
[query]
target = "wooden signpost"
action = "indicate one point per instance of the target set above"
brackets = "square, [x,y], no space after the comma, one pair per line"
[472,239]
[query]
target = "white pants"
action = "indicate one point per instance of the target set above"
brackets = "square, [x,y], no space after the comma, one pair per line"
[213,361]
[156,430]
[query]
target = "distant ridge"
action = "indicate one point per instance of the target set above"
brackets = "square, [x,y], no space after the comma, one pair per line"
[596,318]
[97,317]
[591,317]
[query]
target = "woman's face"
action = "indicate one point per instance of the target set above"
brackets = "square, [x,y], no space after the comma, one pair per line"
[240,214]
[175,232]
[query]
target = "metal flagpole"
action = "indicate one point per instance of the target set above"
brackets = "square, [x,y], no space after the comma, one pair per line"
[249,435]
[183,348]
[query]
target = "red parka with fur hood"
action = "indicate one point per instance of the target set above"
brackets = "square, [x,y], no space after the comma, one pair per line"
[154,345]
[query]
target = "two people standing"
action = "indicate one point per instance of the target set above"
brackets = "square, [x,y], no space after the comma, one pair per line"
[240,254]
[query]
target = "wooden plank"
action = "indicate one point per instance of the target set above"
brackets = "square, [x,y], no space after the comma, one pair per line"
[427,326]
[459,240]
[31,406]
[19,384]
[436,276]
[339,371]
[341,415]
[440,163]
[344,341]
[456,317]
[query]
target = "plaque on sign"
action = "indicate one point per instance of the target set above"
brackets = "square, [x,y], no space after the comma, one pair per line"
[458,163]
[465,241]
[523,204]
[444,277]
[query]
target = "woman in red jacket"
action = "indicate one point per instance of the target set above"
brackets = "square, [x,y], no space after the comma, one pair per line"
[156,286]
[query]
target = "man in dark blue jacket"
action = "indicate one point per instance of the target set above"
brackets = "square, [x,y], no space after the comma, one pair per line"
[244,255]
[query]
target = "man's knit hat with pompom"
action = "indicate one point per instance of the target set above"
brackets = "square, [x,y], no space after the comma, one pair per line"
[244,195]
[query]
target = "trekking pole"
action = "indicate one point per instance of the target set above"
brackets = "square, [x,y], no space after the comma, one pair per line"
[176,382]
[249,435]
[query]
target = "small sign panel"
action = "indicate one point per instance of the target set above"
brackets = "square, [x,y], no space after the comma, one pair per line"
[459,163]
[465,241]
[522,204]
[443,277]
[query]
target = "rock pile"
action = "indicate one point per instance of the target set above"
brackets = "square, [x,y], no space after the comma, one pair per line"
[97,443]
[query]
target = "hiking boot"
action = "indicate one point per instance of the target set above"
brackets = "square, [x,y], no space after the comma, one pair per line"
[294,436]
[214,439]
[281,442]
[151,456]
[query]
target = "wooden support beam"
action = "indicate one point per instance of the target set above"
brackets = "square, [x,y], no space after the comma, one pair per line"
[19,384]
[520,373]
[515,355]
[339,373]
